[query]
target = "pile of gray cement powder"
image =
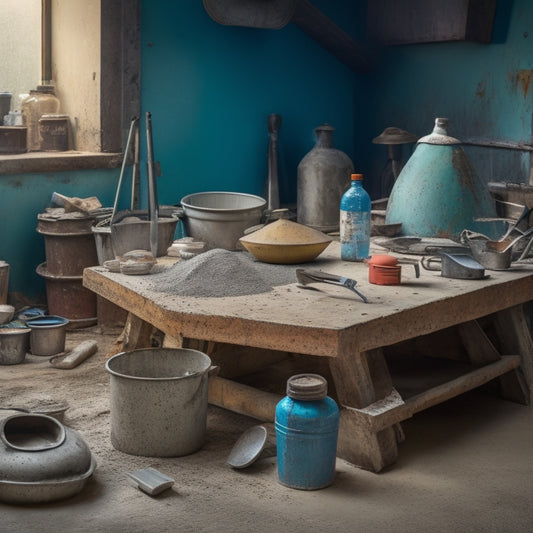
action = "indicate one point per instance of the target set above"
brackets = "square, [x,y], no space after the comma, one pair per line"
[218,273]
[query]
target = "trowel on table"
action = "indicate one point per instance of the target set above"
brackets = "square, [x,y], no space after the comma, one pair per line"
[306,277]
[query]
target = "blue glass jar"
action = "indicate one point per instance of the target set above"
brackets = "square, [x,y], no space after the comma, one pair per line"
[355,221]
[307,428]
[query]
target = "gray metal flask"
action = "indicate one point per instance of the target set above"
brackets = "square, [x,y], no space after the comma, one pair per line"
[322,177]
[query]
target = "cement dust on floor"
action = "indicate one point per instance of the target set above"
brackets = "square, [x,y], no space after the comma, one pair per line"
[465,466]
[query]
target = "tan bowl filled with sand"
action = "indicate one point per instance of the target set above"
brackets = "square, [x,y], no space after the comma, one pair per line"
[286,242]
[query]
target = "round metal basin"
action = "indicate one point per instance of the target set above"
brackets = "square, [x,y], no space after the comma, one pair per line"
[220,218]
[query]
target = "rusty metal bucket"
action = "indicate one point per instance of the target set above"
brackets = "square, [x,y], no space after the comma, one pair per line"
[67,297]
[69,243]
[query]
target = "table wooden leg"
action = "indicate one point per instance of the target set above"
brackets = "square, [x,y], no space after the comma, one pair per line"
[362,379]
[481,352]
[136,334]
[514,337]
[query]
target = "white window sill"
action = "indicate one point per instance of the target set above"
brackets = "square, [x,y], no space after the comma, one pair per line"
[42,162]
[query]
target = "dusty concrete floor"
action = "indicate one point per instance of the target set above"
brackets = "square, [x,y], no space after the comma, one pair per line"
[465,466]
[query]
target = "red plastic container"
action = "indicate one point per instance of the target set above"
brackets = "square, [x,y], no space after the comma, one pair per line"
[384,270]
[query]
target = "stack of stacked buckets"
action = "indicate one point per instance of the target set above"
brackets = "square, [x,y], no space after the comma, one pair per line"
[70,248]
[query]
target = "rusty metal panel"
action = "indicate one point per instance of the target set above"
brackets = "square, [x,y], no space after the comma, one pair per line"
[425,21]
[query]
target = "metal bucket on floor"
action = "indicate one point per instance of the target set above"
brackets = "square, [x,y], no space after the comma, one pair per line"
[48,335]
[158,401]
[13,345]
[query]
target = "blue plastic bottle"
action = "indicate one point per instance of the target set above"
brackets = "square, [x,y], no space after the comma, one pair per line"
[355,221]
[307,429]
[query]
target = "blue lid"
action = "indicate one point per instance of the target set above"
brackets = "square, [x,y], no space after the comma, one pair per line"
[28,314]
[43,321]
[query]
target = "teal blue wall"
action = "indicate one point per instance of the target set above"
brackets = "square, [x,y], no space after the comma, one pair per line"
[210,89]
[22,198]
[486,90]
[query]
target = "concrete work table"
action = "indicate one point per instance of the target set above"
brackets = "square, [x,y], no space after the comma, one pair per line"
[350,339]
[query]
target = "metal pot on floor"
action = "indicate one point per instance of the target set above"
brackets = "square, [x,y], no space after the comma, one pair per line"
[41,460]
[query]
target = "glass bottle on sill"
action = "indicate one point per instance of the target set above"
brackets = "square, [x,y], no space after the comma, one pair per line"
[41,101]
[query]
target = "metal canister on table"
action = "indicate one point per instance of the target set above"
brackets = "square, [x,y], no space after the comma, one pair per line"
[54,133]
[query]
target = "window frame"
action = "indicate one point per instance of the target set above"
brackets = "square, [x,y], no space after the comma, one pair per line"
[119,75]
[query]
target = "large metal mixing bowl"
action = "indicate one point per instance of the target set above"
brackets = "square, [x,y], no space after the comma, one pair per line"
[220,218]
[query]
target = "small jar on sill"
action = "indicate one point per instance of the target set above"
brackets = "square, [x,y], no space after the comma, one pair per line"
[54,133]
[41,101]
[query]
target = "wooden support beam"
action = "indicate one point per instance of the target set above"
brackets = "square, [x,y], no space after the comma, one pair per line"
[514,337]
[362,380]
[481,351]
[371,450]
[243,399]
[478,346]
[392,409]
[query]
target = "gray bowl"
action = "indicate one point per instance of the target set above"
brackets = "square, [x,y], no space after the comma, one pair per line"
[220,218]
